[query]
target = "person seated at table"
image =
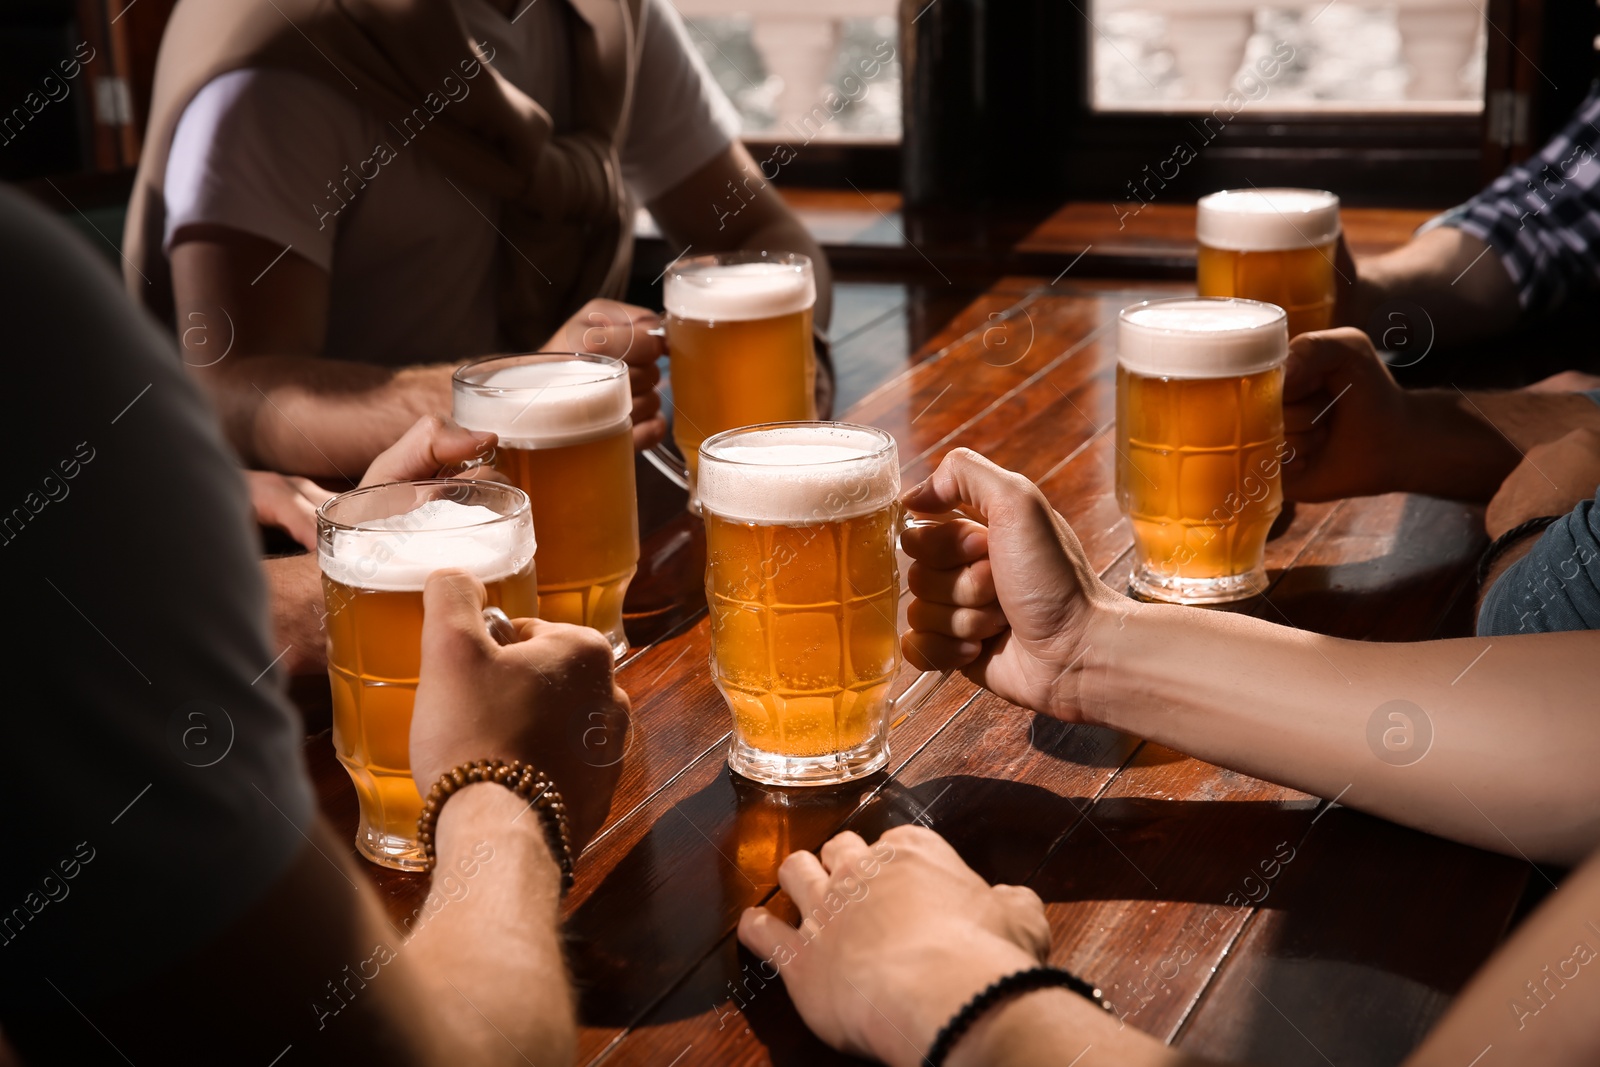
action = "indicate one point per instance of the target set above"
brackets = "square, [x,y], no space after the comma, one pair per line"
[168,850]
[1541,221]
[1533,456]
[1013,603]
[337,203]
[1015,606]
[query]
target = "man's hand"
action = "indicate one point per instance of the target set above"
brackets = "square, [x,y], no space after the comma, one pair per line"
[286,502]
[434,447]
[894,939]
[1352,299]
[549,700]
[622,331]
[1552,479]
[1009,601]
[1344,417]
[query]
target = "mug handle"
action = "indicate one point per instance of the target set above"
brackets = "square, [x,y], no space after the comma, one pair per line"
[925,684]
[667,462]
[663,459]
[500,627]
[916,694]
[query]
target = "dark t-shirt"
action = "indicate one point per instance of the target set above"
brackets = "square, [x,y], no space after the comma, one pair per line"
[152,776]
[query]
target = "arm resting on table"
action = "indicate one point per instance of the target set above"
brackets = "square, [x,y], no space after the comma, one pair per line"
[1463,445]
[1509,722]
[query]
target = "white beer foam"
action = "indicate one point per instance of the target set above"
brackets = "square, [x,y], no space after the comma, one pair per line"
[736,292]
[799,475]
[546,404]
[1268,220]
[396,555]
[1202,337]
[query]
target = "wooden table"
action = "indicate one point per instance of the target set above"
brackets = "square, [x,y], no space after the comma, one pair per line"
[873,232]
[1234,917]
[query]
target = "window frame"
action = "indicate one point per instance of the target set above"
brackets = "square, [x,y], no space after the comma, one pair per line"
[1032,68]
[1392,158]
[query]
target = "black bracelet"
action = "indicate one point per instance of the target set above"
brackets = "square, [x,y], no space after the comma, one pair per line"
[1509,538]
[1009,986]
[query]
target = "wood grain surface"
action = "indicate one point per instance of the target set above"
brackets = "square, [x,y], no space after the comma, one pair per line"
[1232,916]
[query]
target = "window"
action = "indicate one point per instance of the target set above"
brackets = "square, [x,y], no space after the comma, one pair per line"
[1386,103]
[1413,56]
[804,70]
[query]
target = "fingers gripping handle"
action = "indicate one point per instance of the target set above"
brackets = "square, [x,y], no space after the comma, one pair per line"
[925,684]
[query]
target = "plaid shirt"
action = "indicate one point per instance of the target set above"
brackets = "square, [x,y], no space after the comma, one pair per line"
[1542,217]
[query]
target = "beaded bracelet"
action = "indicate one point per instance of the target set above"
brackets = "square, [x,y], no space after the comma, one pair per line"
[1009,986]
[523,779]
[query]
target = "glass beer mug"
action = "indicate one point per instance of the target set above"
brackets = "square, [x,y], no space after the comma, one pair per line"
[376,547]
[803,585]
[741,347]
[1273,245]
[566,439]
[1200,444]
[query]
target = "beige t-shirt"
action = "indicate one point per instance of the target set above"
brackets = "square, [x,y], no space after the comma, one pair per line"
[413,254]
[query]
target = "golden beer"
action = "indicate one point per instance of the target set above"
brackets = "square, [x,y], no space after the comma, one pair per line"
[1200,444]
[803,587]
[376,547]
[739,334]
[1273,245]
[566,439]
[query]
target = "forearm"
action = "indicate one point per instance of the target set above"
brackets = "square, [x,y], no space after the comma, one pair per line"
[1506,726]
[488,940]
[321,417]
[1528,419]
[294,591]
[1460,285]
[1453,449]
[1463,445]
[1532,1001]
[1051,1027]
[730,205]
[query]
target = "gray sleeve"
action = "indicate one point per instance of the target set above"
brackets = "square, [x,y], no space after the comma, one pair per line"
[1556,586]
[152,762]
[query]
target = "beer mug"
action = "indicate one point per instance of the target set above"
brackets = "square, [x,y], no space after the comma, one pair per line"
[566,439]
[1273,245]
[803,585]
[376,547]
[1200,444]
[741,349]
